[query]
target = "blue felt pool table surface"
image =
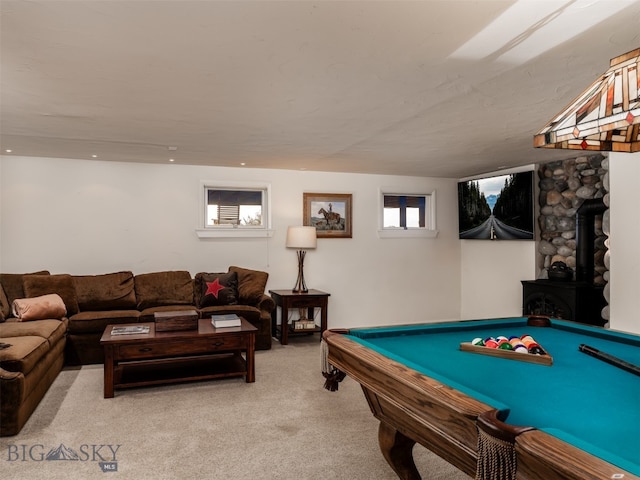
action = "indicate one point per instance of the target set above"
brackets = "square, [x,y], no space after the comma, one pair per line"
[579,399]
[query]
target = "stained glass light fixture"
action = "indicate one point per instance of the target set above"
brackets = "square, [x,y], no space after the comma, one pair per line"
[605,117]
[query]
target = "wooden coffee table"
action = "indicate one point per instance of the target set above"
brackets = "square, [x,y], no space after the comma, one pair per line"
[170,357]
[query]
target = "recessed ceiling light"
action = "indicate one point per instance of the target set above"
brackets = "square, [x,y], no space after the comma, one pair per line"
[243,164]
[172,160]
[172,149]
[8,150]
[94,156]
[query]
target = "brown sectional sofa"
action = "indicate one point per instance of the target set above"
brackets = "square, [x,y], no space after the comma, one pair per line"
[126,298]
[31,356]
[38,349]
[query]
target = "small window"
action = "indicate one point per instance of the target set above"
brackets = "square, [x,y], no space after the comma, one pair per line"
[232,207]
[407,215]
[404,211]
[234,210]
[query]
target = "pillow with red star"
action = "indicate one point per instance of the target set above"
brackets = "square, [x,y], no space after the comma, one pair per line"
[216,289]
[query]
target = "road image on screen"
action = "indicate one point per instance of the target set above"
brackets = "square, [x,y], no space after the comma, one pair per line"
[496,208]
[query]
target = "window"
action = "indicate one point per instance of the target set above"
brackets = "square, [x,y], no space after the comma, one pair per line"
[404,211]
[234,211]
[234,207]
[407,215]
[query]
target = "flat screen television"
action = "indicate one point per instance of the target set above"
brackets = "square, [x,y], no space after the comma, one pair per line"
[496,207]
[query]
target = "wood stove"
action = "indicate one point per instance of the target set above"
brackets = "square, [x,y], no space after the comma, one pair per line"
[578,300]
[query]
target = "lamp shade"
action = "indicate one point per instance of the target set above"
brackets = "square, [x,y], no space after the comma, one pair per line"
[605,117]
[302,238]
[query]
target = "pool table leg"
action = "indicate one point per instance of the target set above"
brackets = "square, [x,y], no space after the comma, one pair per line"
[397,451]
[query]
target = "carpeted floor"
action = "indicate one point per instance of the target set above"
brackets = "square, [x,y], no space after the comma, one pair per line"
[284,426]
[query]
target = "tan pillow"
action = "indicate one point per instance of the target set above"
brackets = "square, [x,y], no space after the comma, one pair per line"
[38,285]
[39,308]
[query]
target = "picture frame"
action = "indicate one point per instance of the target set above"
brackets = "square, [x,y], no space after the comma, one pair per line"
[330,213]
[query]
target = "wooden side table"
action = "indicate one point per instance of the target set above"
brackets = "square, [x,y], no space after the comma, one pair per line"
[287,299]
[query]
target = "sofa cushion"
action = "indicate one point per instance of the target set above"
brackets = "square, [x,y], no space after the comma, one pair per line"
[213,289]
[251,314]
[51,330]
[37,285]
[24,353]
[111,291]
[39,308]
[251,284]
[97,321]
[163,288]
[12,285]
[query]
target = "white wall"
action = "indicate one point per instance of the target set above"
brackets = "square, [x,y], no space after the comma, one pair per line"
[624,174]
[491,276]
[91,217]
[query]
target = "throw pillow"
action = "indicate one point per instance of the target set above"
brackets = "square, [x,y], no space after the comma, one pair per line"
[39,308]
[251,284]
[216,289]
[37,285]
[12,286]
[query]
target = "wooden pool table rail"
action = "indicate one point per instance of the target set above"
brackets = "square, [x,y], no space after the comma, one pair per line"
[542,456]
[414,408]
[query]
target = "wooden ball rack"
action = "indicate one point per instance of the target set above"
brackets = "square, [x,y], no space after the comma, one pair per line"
[533,321]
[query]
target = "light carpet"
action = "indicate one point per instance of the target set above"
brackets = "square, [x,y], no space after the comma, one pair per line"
[283,426]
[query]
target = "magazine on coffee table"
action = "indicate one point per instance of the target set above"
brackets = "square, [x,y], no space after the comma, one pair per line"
[130,330]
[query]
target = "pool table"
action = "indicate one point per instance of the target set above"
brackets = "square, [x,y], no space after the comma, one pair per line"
[578,418]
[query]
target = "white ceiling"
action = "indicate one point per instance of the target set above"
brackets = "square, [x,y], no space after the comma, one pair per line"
[429,88]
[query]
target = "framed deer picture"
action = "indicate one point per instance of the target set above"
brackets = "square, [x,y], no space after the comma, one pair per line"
[330,213]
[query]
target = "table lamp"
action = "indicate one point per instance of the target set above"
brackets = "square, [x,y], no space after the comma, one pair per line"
[302,239]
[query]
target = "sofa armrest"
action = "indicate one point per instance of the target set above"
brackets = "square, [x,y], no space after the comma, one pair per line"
[11,391]
[266,304]
[6,375]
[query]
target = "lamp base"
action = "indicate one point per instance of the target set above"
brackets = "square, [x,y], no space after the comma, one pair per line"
[301,286]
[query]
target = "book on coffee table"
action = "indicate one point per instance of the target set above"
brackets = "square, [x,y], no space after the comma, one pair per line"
[130,330]
[226,320]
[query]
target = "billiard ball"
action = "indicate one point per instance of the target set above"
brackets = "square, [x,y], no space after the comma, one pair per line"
[535,349]
[490,343]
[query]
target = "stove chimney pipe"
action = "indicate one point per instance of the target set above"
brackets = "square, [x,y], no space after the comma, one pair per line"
[585,237]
